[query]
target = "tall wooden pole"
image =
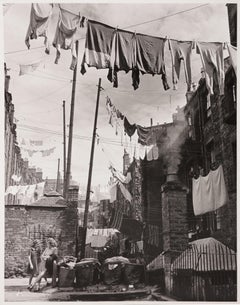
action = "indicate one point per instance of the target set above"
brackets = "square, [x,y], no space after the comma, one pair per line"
[90,174]
[68,171]
[64,148]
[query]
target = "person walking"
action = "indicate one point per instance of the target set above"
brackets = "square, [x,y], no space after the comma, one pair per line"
[34,260]
[48,257]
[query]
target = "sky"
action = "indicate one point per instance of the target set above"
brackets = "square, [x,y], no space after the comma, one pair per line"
[38,96]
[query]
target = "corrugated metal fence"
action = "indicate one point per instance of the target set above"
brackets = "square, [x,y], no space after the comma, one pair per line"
[205,273]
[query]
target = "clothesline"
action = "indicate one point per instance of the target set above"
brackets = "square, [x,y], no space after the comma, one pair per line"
[127,27]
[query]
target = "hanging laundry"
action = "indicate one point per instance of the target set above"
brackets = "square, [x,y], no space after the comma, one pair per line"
[140,245]
[233,56]
[22,190]
[30,191]
[144,135]
[181,51]
[39,21]
[25,69]
[142,151]
[113,192]
[211,54]
[117,219]
[209,192]
[40,188]
[150,56]
[118,175]
[48,152]
[65,35]
[30,152]
[125,192]
[36,142]
[129,128]
[98,46]
[149,153]
[12,189]
[16,178]
[155,152]
[123,54]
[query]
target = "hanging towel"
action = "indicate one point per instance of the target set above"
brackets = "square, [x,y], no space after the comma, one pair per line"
[211,54]
[25,69]
[125,192]
[129,128]
[150,56]
[11,190]
[142,151]
[181,51]
[149,153]
[155,152]
[233,56]
[209,192]
[98,46]
[39,20]
[65,35]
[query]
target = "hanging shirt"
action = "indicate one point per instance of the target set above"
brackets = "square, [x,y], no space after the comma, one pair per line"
[211,54]
[122,55]
[40,188]
[98,45]
[65,35]
[39,21]
[150,56]
[233,56]
[129,128]
[25,69]
[181,51]
[125,192]
[209,192]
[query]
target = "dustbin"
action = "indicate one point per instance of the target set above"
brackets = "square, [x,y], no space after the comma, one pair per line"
[113,270]
[66,277]
[133,273]
[87,273]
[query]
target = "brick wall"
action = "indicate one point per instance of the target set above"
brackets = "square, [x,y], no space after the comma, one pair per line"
[23,223]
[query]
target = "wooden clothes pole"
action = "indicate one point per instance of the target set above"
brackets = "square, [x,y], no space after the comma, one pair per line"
[68,171]
[64,148]
[90,174]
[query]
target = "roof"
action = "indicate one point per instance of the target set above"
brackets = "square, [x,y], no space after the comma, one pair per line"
[157,263]
[207,254]
[50,201]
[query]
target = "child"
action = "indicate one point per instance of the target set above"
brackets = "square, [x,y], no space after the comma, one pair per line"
[34,260]
[48,257]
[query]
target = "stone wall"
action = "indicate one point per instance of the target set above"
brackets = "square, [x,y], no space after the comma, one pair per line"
[25,223]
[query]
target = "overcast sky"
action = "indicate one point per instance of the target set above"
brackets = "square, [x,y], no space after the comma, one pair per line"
[38,96]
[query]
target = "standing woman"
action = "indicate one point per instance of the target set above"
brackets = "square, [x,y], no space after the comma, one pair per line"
[34,260]
[48,257]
